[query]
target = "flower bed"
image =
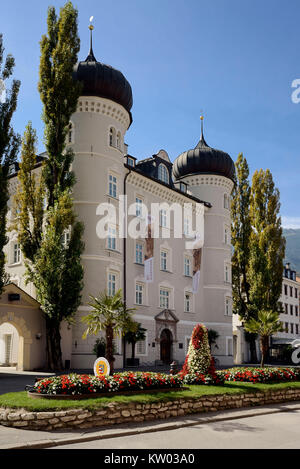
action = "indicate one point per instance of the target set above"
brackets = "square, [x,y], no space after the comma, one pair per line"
[262,375]
[213,378]
[75,384]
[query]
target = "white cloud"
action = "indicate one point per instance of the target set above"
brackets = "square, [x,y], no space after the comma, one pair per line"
[290,222]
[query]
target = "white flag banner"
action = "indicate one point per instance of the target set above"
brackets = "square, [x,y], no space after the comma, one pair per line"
[149,254]
[197,254]
[148,272]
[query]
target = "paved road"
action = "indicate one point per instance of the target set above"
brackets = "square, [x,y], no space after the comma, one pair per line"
[273,431]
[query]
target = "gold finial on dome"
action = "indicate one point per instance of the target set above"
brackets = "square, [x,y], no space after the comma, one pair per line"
[91,57]
[91,27]
[201,118]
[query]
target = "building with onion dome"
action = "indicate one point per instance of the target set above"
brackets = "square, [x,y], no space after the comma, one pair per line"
[168,305]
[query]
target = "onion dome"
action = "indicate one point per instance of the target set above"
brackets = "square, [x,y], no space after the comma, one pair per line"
[203,160]
[103,81]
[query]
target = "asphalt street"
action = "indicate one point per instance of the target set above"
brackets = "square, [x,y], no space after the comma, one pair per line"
[272,431]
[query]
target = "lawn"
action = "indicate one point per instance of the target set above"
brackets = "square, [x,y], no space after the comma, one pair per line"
[21,400]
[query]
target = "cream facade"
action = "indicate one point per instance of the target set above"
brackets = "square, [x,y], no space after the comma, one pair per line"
[167,307]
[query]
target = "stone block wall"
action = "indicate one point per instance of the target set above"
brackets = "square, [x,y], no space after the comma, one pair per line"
[114,413]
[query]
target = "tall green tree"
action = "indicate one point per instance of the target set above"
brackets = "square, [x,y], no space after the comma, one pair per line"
[267,245]
[49,232]
[59,287]
[240,238]
[109,314]
[59,95]
[9,145]
[51,241]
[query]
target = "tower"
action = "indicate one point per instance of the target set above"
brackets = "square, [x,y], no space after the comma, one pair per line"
[209,174]
[96,134]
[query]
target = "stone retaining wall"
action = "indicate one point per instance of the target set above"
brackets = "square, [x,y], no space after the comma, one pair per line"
[115,413]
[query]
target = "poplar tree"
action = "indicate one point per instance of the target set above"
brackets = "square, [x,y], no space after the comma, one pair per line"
[240,238]
[49,232]
[9,145]
[267,245]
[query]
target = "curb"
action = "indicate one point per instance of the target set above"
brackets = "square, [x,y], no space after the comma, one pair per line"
[40,444]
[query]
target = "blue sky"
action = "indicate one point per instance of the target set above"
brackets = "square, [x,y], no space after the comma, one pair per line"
[233,60]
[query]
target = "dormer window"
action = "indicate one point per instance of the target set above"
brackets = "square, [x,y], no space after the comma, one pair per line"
[183,187]
[130,161]
[163,173]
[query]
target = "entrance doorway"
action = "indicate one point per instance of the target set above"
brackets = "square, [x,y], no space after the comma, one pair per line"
[166,341]
[9,345]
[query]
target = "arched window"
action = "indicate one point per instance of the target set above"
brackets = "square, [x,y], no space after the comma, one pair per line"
[163,174]
[112,137]
[119,140]
[226,201]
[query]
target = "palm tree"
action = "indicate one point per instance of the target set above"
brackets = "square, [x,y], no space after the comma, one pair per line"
[135,335]
[110,315]
[266,324]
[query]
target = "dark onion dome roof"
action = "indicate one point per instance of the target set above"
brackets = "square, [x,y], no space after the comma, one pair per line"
[203,160]
[103,81]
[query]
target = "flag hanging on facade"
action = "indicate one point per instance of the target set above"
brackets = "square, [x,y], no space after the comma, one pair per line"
[149,254]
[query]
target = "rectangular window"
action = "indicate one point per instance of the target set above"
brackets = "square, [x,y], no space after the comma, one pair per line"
[163,260]
[228,306]
[164,298]
[138,207]
[297,329]
[139,253]
[226,235]
[141,347]
[186,226]
[292,328]
[227,274]
[139,294]
[286,327]
[187,266]
[187,302]
[17,253]
[296,293]
[163,218]
[286,308]
[291,291]
[111,240]
[285,290]
[112,187]
[112,280]
[296,310]
[291,310]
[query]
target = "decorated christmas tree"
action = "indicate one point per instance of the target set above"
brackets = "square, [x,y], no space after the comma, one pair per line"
[199,367]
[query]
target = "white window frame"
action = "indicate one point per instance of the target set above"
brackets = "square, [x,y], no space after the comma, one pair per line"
[164,299]
[112,238]
[228,306]
[139,253]
[163,173]
[190,301]
[145,341]
[187,272]
[139,206]
[112,186]
[111,274]
[16,253]
[112,137]
[227,273]
[164,260]
[229,339]
[163,218]
[139,292]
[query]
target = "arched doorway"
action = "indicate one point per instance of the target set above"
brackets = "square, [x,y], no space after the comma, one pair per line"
[166,340]
[10,341]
